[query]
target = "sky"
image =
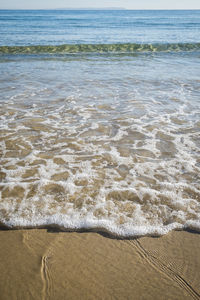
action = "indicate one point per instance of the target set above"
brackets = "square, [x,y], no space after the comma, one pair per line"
[128,4]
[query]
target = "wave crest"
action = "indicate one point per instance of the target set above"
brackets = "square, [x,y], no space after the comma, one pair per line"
[100,48]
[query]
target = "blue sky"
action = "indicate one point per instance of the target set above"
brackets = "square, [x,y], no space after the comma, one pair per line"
[129,4]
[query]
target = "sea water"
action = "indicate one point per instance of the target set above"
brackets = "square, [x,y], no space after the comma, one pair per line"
[100,120]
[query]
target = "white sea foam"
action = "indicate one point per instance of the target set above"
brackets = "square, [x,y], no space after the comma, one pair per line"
[116,156]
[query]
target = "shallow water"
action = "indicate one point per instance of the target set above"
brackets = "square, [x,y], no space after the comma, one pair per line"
[101,140]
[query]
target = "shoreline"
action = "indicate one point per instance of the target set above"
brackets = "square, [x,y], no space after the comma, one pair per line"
[47,264]
[55,228]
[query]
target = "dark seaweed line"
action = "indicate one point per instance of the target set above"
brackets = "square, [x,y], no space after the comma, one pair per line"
[100,48]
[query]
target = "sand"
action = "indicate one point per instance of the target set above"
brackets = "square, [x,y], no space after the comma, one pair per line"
[37,264]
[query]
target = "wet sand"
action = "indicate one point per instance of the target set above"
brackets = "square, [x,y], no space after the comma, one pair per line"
[37,264]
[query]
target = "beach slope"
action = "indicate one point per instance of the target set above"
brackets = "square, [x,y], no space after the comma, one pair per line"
[37,264]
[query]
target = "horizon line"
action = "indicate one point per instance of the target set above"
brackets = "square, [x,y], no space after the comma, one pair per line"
[101,8]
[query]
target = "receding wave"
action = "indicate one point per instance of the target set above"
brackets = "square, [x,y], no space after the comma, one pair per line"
[100,48]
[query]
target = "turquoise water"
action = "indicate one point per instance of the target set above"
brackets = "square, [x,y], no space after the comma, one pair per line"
[100,120]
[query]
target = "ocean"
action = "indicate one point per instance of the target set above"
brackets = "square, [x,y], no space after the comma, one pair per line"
[100,120]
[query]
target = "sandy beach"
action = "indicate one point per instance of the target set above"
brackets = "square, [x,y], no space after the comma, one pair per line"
[39,264]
